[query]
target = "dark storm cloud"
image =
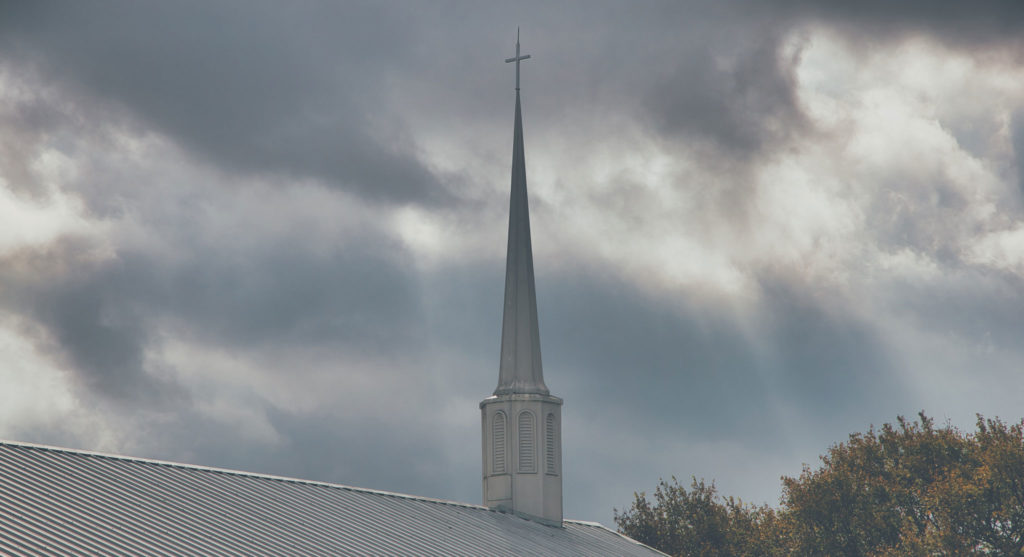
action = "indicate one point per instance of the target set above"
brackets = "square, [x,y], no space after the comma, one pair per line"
[668,364]
[27,122]
[983,307]
[355,298]
[833,364]
[744,107]
[716,73]
[253,87]
[1017,137]
[104,316]
[967,23]
[366,452]
[676,365]
[725,73]
[299,91]
[682,366]
[732,81]
[360,451]
[96,322]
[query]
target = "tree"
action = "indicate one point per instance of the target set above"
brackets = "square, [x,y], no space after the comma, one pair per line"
[913,490]
[876,493]
[905,489]
[985,503]
[699,522]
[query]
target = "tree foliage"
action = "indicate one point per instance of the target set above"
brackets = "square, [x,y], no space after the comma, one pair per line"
[699,522]
[904,489]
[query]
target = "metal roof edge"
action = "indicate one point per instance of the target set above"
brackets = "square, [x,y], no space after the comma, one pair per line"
[619,534]
[228,471]
[241,473]
[586,523]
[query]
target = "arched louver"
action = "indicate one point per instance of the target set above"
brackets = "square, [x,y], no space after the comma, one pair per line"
[527,450]
[549,444]
[498,443]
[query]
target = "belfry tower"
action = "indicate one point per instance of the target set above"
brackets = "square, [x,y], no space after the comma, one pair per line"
[522,421]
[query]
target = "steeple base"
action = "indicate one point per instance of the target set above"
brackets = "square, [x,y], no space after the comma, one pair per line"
[522,455]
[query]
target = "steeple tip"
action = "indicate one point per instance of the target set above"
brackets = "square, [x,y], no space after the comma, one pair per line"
[517,58]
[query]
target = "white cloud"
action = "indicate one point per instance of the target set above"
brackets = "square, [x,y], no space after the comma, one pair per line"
[1001,249]
[35,390]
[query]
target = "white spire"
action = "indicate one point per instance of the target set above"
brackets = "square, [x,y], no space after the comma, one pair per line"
[520,370]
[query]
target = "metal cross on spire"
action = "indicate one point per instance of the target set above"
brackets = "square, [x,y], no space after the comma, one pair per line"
[517,58]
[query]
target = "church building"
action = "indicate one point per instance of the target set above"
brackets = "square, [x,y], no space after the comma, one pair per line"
[56,501]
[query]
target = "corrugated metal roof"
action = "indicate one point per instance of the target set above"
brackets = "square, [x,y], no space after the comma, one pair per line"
[61,501]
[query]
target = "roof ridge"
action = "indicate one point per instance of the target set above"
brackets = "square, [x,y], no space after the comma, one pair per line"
[586,523]
[229,471]
[616,532]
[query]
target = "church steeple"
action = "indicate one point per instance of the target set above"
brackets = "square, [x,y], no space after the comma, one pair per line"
[521,370]
[522,422]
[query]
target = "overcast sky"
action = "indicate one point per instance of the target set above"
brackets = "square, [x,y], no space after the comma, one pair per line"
[270,236]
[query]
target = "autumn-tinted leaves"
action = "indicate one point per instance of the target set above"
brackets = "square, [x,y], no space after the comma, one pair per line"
[906,489]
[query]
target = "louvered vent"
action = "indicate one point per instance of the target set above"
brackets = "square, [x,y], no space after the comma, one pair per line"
[549,444]
[527,450]
[498,443]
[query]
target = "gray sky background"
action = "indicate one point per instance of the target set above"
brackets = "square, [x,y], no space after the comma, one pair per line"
[271,237]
